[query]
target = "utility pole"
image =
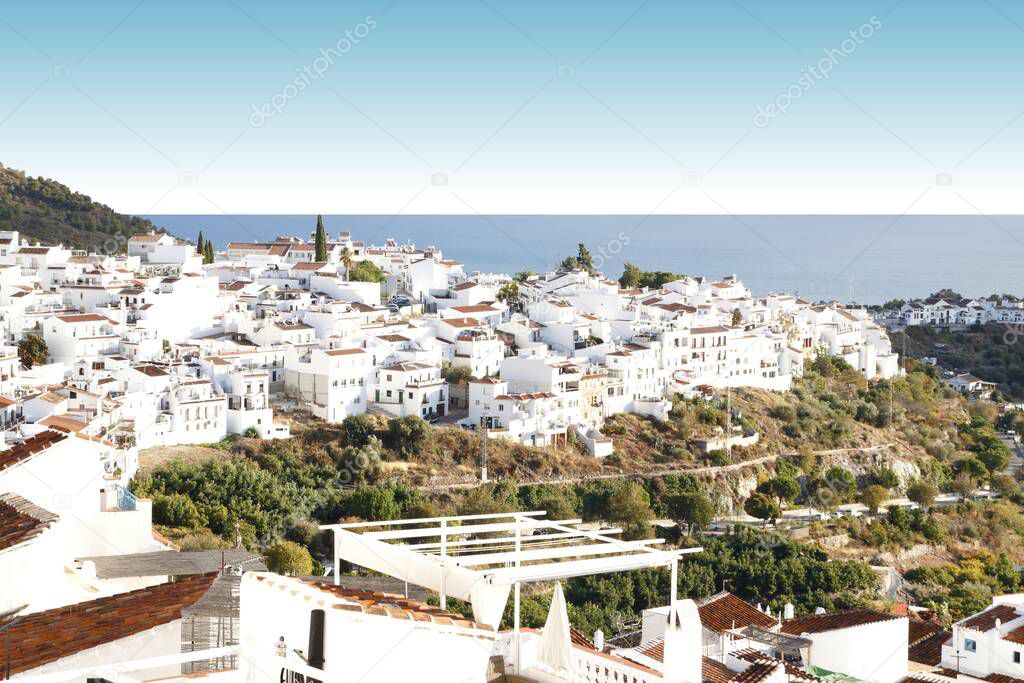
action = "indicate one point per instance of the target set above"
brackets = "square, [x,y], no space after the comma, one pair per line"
[483,450]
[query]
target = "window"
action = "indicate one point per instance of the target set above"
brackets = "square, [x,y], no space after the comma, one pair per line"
[970,645]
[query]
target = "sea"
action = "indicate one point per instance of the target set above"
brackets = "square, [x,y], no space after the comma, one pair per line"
[851,259]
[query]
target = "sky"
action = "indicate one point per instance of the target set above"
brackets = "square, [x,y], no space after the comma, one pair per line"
[501,106]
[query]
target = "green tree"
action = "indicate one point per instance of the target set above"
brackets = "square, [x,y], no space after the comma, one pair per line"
[208,255]
[808,460]
[762,506]
[631,275]
[885,476]
[963,485]
[630,507]
[456,374]
[873,496]
[923,493]
[374,503]
[357,429]
[782,489]
[346,260]
[973,467]
[365,271]
[200,243]
[32,350]
[509,293]
[490,499]
[841,481]
[289,558]
[1005,485]
[409,435]
[176,510]
[737,317]
[585,260]
[692,509]
[569,263]
[320,241]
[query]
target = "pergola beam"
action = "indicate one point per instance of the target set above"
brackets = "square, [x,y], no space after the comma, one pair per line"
[530,555]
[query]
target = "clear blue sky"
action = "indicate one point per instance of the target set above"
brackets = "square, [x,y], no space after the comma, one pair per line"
[524,107]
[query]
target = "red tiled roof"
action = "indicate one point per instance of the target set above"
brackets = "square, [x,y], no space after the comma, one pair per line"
[343,352]
[394,605]
[927,648]
[64,423]
[83,318]
[713,671]
[986,621]
[758,671]
[819,623]
[150,370]
[21,520]
[751,655]
[480,308]
[29,447]
[724,611]
[462,322]
[1015,636]
[45,637]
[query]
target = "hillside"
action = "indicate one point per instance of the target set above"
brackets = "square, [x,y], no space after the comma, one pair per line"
[46,211]
[995,353]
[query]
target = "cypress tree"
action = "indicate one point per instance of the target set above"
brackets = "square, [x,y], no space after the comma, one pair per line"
[200,244]
[321,240]
[208,252]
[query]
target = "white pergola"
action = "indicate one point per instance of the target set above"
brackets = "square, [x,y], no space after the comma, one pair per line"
[480,558]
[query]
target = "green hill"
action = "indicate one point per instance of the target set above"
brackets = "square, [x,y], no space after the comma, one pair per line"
[47,211]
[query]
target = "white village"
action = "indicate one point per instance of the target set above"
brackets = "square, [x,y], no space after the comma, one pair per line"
[163,344]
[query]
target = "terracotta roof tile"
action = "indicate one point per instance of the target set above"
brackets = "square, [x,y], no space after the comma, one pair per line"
[819,623]
[29,447]
[21,520]
[48,636]
[724,611]
[396,606]
[758,671]
[986,621]
[713,671]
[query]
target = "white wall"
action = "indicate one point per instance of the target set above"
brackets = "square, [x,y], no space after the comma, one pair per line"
[871,652]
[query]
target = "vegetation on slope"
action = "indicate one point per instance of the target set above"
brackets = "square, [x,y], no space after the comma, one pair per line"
[44,210]
[993,352]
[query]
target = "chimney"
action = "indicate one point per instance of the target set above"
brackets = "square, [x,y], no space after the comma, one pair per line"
[787,611]
[316,640]
[599,640]
[683,646]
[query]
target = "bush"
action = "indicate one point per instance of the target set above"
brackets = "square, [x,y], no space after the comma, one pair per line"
[374,503]
[409,435]
[357,430]
[176,510]
[289,558]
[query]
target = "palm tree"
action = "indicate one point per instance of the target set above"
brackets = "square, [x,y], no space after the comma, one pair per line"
[346,260]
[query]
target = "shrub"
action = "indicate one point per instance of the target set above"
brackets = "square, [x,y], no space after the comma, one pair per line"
[409,435]
[176,510]
[289,558]
[357,429]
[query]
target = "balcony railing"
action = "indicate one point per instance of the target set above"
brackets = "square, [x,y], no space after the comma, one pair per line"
[126,500]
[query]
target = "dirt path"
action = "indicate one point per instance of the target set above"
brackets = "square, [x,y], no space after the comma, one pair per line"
[710,469]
